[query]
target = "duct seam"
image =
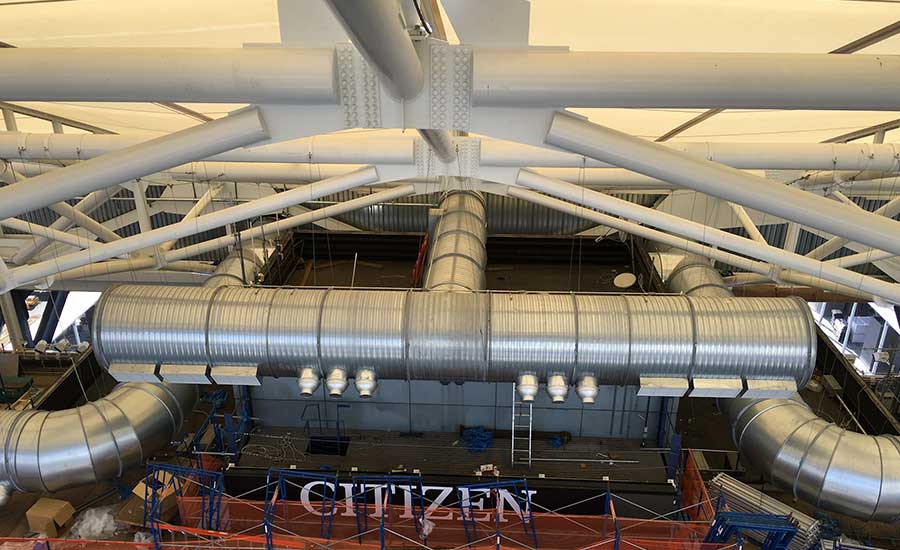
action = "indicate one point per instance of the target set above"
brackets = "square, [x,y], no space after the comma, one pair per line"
[411,333]
[575,366]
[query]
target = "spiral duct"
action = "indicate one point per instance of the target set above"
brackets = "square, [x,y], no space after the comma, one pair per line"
[458,256]
[819,462]
[477,336]
[54,450]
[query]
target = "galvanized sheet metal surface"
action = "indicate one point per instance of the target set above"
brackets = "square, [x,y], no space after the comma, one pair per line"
[471,336]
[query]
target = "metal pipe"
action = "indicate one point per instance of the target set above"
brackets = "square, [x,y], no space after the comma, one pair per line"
[9,119]
[819,462]
[379,32]
[501,77]
[554,79]
[11,319]
[122,266]
[440,142]
[53,450]
[763,270]
[353,148]
[195,211]
[49,233]
[274,228]
[236,130]
[861,258]
[88,204]
[832,245]
[457,255]
[709,235]
[193,75]
[84,221]
[827,466]
[655,160]
[747,223]
[430,335]
[199,224]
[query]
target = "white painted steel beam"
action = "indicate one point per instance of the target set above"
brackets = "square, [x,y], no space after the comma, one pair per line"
[84,221]
[888,210]
[861,258]
[694,80]
[9,120]
[236,130]
[48,233]
[379,32]
[709,235]
[503,78]
[763,269]
[86,205]
[365,149]
[273,228]
[747,223]
[206,222]
[655,160]
[195,211]
[199,75]
[13,328]
[377,29]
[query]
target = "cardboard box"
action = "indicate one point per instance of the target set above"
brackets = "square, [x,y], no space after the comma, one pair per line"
[50,516]
[167,499]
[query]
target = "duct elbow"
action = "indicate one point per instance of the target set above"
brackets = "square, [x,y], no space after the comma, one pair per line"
[336,382]
[308,382]
[365,383]
[820,462]
[527,386]
[587,389]
[557,387]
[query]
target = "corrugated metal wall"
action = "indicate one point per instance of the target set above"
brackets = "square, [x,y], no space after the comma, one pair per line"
[506,215]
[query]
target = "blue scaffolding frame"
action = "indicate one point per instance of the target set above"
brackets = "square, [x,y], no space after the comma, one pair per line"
[516,489]
[277,480]
[210,486]
[361,503]
[779,530]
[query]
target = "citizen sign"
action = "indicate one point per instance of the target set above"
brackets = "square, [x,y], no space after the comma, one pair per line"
[436,495]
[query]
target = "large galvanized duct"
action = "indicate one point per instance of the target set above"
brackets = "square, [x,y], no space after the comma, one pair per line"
[457,255]
[819,462]
[477,336]
[55,450]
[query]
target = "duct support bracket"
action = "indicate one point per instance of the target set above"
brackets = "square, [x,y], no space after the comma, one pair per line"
[185,374]
[134,372]
[235,375]
[716,387]
[658,386]
[769,389]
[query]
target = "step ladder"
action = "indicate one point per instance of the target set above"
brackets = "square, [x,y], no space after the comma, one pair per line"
[520,449]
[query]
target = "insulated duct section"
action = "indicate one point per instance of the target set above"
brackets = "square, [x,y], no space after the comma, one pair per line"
[460,336]
[54,450]
[819,462]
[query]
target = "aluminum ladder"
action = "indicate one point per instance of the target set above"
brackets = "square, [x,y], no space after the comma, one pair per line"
[522,422]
